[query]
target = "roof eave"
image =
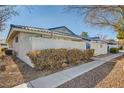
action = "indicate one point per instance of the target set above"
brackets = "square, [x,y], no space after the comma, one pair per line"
[13,29]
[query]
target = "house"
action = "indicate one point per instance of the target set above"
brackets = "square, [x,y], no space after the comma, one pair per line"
[99,46]
[3,45]
[22,39]
[112,44]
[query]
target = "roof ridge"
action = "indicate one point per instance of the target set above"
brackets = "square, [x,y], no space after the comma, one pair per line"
[63,27]
[57,27]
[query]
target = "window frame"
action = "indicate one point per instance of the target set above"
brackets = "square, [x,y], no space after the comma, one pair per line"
[16,39]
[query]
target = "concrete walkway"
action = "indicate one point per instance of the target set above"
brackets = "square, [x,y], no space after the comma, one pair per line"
[56,79]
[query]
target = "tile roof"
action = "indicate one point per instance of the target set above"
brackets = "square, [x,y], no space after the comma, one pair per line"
[29,28]
[63,30]
[57,30]
[94,38]
[111,42]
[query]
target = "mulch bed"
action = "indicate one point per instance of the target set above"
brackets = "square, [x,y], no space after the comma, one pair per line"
[110,74]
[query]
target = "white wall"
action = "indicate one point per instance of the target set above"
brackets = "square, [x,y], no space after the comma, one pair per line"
[39,43]
[27,42]
[23,47]
[99,47]
[112,46]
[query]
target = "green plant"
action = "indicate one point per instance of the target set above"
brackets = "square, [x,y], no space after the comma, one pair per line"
[114,50]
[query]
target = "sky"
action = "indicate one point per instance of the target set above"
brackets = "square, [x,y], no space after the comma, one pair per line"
[54,16]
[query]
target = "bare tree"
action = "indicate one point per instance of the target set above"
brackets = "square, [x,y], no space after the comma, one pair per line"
[6,12]
[112,16]
[102,37]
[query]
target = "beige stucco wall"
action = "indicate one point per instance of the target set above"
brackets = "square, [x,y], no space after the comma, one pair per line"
[39,43]
[99,47]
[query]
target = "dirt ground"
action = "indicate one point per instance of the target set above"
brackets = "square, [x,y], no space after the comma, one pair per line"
[108,75]
[115,79]
[17,73]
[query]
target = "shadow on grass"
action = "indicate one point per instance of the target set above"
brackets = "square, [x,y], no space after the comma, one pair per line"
[91,78]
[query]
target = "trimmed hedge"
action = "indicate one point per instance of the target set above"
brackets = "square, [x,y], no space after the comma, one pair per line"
[51,59]
[114,50]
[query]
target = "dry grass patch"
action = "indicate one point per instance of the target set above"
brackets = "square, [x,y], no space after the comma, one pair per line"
[116,77]
[17,72]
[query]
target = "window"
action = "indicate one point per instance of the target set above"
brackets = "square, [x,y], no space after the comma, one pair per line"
[87,46]
[16,39]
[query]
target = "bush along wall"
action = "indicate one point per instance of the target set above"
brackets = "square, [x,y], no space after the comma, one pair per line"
[114,50]
[52,59]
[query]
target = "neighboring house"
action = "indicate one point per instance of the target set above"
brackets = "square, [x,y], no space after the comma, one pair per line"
[99,46]
[3,44]
[22,39]
[88,45]
[112,44]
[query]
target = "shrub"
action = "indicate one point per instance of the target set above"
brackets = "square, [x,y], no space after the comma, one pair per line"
[121,48]
[88,53]
[3,49]
[2,67]
[74,55]
[51,59]
[2,56]
[114,50]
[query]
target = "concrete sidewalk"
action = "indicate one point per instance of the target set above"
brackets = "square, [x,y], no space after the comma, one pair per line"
[56,79]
